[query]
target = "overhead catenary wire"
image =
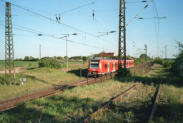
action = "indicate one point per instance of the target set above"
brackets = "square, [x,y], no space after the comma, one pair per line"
[52,36]
[142,1]
[156,26]
[53,20]
[139,12]
[76,8]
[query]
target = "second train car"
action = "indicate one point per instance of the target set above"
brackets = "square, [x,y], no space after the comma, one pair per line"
[103,66]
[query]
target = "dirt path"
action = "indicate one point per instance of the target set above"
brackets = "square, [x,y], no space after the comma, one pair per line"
[17,70]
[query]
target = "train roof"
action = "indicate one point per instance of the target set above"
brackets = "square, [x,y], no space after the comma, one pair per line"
[109,59]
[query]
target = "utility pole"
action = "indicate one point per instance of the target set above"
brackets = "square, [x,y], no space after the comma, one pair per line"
[165,51]
[40,52]
[145,50]
[67,60]
[67,52]
[9,47]
[122,35]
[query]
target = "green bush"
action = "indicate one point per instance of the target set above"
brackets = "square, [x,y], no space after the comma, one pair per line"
[158,60]
[50,63]
[177,66]
[2,81]
[167,63]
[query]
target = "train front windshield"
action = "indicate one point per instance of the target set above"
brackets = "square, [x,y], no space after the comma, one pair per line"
[94,64]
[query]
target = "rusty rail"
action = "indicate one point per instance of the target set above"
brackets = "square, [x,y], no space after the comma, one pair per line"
[107,104]
[154,104]
[13,102]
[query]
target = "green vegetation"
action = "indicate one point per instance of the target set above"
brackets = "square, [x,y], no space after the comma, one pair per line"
[143,59]
[23,64]
[132,108]
[177,66]
[30,58]
[1,65]
[50,63]
[170,105]
[73,105]
[36,79]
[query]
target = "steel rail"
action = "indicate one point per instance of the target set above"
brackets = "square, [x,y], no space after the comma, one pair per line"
[13,102]
[154,103]
[108,103]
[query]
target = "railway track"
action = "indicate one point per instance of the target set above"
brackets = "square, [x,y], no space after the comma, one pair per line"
[154,103]
[107,104]
[13,102]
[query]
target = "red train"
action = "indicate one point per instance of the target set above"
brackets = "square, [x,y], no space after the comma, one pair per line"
[103,66]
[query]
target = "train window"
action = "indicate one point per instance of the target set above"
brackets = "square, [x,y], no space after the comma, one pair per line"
[94,64]
[105,66]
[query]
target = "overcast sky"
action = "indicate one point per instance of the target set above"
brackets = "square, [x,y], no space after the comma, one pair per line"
[76,17]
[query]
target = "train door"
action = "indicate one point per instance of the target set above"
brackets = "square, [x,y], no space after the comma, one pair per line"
[108,66]
[114,66]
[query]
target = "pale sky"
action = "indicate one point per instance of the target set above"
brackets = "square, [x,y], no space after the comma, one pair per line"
[76,17]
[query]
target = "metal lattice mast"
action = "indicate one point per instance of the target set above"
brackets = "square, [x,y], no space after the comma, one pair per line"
[9,48]
[122,34]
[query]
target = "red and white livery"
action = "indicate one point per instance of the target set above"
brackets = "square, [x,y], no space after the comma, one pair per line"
[103,66]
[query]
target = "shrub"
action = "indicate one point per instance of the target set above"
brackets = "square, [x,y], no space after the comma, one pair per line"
[50,63]
[2,81]
[158,60]
[177,66]
[167,63]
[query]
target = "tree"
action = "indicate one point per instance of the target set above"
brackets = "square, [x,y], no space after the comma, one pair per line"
[84,59]
[177,66]
[65,57]
[26,58]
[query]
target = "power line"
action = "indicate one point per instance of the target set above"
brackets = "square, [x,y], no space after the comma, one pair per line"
[143,1]
[53,20]
[156,26]
[81,6]
[139,12]
[53,36]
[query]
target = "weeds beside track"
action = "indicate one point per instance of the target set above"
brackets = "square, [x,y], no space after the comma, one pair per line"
[154,103]
[13,102]
[107,104]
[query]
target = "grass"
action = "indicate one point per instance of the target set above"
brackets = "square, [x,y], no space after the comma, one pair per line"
[75,104]
[34,64]
[37,79]
[1,65]
[24,64]
[134,107]
[170,105]
[71,106]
